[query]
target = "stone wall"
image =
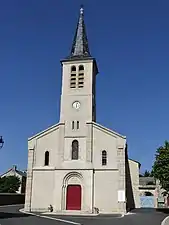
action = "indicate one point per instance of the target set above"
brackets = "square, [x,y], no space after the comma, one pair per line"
[11,199]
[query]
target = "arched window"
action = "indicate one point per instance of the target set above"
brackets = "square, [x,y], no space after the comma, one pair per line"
[73,125]
[81,68]
[73,77]
[81,76]
[104,158]
[75,150]
[77,124]
[46,158]
[73,69]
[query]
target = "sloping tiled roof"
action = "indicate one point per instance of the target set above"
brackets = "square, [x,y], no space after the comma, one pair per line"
[23,174]
[14,168]
[146,181]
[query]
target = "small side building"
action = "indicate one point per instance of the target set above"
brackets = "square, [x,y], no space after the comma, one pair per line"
[132,184]
[18,173]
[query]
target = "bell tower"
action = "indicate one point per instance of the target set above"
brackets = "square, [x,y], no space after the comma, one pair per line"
[79,70]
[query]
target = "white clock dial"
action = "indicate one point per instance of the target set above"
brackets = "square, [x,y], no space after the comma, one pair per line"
[76,105]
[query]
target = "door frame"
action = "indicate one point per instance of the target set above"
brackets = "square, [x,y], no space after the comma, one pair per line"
[72,178]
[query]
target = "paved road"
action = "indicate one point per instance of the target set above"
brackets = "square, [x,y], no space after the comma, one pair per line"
[137,217]
[11,216]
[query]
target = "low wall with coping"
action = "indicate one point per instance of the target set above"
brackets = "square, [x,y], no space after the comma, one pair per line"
[11,198]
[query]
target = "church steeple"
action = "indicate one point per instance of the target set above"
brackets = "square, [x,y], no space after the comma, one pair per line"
[80,48]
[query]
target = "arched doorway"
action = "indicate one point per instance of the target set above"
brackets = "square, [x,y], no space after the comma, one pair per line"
[73,191]
[73,197]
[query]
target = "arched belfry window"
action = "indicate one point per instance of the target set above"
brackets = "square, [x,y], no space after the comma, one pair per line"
[73,69]
[73,125]
[73,77]
[75,150]
[46,158]
[81,68]
[78,125]
[104,158]
[81,76]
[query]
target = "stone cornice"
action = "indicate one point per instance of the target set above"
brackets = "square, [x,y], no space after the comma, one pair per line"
[46,131]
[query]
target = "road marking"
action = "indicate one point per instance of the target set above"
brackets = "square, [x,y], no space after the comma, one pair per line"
[50,218]
[164,221]
[60,220]
[130,213]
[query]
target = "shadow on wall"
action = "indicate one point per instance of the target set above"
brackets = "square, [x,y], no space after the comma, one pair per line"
[130,204]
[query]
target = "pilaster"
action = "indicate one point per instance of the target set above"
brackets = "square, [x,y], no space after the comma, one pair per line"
[61,144]
[89,142]
[28,194]
[121,182]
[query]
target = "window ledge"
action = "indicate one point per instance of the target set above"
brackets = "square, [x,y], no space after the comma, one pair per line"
[43,168]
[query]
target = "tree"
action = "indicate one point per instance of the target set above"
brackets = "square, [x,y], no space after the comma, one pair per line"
[161,166]
[9,184]
[147,174]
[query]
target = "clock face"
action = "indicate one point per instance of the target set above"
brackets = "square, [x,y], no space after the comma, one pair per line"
[76,105]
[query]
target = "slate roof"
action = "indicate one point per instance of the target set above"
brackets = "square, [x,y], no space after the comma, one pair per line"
[14,168]
[80,47]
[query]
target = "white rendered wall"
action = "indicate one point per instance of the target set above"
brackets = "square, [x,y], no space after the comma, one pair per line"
[43,190]
[106,191]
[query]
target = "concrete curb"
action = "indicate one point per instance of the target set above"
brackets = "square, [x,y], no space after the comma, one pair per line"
[3,206]
[165,222]
[68,214]
[57,219]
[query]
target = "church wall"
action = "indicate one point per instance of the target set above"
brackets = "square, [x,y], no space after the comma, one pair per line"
[104,141]
[134,176]
[63,178]
[50,186]
[42,191]
[106,191]
[48,142]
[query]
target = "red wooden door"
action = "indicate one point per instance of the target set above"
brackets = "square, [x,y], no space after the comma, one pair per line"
[73,198]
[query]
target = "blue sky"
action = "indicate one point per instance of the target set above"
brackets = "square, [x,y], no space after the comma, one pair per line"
[129,39]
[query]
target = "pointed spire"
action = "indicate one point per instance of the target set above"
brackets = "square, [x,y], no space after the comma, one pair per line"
[80,48]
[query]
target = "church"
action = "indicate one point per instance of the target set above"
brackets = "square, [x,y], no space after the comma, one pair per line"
[78,165]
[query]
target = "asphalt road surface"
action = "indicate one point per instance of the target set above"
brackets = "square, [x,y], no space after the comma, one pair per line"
[12,216]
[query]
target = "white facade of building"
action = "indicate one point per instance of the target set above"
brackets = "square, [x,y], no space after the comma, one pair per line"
[77,164]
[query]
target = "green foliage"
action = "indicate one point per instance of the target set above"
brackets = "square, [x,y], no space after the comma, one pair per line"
[161,166]
[9,184]
[147,174]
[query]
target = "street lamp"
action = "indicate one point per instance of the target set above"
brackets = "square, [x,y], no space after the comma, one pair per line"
[1,142]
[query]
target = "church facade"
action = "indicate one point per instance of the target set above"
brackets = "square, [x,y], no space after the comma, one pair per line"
[79,165]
